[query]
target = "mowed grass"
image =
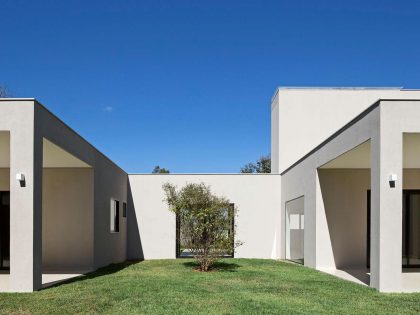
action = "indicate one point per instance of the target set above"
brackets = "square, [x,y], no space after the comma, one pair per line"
[240,286]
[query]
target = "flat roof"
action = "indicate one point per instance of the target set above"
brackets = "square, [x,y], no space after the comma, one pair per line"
[344,88]
[17,99]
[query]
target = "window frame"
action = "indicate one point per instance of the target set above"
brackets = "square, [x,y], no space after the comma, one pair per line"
[114,223]
[124,209]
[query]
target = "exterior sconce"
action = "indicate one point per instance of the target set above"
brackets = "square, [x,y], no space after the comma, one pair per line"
[392,179]
[20,177]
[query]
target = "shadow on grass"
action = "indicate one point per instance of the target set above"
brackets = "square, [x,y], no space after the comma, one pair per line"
[104,271]
[221,266]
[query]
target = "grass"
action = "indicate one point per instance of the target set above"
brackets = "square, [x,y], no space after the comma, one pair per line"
[240,286]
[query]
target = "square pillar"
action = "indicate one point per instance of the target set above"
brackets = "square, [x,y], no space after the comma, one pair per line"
[386,210]
[25,209]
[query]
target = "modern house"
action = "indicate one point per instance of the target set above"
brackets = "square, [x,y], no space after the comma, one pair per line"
[343,196]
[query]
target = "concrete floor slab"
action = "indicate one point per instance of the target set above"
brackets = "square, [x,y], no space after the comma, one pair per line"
[48,279]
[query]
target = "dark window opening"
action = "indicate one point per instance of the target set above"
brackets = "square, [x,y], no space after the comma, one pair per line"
[4,230]
[124,214]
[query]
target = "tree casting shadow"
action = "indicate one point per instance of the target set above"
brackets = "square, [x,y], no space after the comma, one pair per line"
[221,266]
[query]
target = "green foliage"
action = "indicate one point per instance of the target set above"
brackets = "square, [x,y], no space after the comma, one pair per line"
[206,222]
[158,170]
[262,165]
[4,92]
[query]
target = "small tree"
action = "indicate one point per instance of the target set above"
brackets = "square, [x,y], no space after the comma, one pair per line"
[158,170]
[4,92]
[206,222]
[263,165]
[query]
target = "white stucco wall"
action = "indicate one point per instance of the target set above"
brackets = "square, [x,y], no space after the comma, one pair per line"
[67,219]
[109,181]
[379,125]
[28,124]
[303,180]
[257,198]
[304,117]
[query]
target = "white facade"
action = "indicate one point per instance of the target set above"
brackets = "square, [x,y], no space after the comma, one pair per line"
[335,149]
[302,118]
[255,196]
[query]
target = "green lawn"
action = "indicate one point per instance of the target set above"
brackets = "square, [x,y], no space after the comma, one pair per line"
[241,286]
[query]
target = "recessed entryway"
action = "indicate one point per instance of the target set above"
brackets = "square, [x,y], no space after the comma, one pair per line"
[4,230]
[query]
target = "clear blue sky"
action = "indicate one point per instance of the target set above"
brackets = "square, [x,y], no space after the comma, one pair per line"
[187,84]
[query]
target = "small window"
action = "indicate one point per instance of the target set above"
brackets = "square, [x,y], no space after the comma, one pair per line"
[115,216]
[124,209]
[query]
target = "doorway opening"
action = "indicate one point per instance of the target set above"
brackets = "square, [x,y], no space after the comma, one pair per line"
[410,229]
[4,230]
[295,230]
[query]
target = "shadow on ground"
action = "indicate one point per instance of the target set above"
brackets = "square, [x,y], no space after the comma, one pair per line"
[222,266]
[104,271]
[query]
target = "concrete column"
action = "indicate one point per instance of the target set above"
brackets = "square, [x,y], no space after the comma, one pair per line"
[386,209]
[25,209]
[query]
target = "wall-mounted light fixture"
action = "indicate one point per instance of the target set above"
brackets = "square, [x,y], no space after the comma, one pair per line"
[392,180]
[20,177]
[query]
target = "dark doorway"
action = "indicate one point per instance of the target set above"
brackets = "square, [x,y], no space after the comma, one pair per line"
[410,229]
[4,230]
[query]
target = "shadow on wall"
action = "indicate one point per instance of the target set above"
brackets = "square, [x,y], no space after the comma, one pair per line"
[134,245]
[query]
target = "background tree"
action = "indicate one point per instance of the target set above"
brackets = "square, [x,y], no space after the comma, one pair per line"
[158,170]
[205,222]
[262,165]
[4,92]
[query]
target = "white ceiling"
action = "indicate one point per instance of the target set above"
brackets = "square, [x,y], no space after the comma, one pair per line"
[411,157]
[359,157]
[54,156]
[4,149]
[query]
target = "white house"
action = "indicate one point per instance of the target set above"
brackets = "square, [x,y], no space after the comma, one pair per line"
[343,196]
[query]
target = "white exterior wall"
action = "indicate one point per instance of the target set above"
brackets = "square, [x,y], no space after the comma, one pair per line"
[28,124]
[67,219]
[304,117]
[302,180]
[256,197]
[379,125]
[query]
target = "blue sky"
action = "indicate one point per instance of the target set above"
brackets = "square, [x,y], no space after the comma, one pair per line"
[187,84]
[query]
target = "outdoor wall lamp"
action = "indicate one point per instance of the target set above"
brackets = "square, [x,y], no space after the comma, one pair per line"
[392,179]
[20,177]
